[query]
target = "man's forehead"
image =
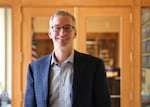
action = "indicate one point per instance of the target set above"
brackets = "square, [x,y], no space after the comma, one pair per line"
[62,19]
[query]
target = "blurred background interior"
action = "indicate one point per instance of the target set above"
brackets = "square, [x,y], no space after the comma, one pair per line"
[118,33]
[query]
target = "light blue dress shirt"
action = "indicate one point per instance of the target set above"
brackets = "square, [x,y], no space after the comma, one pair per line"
[61,82]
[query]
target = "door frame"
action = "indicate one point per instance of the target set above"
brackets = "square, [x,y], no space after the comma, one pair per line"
[126,89]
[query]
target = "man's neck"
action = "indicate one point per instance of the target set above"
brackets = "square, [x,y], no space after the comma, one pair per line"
[61,56]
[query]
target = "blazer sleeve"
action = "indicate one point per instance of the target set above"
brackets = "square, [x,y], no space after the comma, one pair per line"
[101,90]
[29,94]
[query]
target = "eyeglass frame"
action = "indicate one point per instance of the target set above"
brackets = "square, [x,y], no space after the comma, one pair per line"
[63,27]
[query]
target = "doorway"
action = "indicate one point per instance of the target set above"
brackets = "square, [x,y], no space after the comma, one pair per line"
[121,41]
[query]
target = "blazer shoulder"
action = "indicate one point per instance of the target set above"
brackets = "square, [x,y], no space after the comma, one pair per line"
[41,60]
[87,57]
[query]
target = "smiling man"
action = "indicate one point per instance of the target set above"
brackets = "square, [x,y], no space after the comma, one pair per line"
[66,77]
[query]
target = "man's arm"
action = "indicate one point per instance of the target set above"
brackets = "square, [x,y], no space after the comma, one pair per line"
[101,90]
[30,94]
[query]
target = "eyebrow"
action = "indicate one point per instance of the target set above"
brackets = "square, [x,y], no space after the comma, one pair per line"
[64,25]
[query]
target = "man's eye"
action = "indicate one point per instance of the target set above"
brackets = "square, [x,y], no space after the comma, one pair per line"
[67,27]
[58,28]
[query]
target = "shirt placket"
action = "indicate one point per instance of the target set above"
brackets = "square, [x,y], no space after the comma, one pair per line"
[62,85]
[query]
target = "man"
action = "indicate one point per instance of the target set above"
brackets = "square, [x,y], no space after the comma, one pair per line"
[66,77]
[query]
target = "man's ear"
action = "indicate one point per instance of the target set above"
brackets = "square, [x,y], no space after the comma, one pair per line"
[75,33]
[49,34]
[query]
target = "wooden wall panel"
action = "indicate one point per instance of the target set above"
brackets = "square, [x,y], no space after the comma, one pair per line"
[77,2]
[145,3]
[5,2]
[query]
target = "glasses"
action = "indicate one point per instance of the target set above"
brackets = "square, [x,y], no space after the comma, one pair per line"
[66,28]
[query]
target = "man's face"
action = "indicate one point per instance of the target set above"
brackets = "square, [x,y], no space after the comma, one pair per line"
[62,32]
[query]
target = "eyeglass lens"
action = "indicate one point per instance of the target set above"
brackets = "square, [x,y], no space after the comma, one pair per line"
[67,28]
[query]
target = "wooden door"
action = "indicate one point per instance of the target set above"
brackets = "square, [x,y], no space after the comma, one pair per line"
[28,15]
[124,45]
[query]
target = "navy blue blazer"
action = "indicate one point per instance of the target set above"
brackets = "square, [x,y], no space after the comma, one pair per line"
[90,88]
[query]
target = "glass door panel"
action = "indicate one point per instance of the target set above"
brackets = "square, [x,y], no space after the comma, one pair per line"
[41,43]
[102,41]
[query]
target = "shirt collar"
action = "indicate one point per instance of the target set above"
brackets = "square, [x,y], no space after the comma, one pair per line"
[69,59]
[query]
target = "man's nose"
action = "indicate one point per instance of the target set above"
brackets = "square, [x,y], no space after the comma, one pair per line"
[62,31]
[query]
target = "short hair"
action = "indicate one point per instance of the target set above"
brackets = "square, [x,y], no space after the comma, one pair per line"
[62,12]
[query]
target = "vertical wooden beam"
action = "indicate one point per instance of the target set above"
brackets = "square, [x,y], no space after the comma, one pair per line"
[16,54]
[137,53]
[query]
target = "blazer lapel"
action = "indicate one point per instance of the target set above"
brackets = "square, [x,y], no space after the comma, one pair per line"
[44,71]
[77,74]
